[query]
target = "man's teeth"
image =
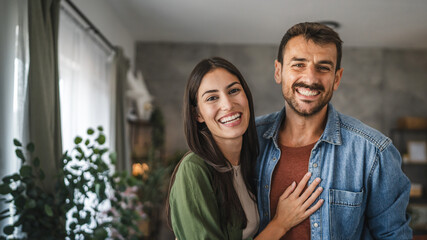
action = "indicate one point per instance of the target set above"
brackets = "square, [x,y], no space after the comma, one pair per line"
[230,118]
[307,92]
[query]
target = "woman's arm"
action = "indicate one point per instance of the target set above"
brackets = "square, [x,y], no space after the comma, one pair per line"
[292,208]
[194,210]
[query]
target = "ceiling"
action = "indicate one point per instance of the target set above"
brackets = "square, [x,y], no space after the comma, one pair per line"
[364,23]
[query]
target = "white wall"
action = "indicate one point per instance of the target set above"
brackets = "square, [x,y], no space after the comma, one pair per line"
[103,16]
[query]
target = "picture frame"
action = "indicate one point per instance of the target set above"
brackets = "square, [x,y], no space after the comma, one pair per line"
[417,151]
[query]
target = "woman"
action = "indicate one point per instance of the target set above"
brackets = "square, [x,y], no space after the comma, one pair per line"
[212,190]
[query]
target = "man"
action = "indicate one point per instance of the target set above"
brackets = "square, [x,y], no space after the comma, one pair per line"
[365,191]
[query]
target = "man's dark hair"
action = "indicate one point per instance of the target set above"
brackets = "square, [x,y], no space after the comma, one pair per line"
[318,33]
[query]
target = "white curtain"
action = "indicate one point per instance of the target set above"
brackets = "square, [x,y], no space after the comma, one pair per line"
[13,86]
[20,94]
[86,86]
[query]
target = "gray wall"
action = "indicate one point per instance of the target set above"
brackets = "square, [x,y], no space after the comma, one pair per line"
[378,85]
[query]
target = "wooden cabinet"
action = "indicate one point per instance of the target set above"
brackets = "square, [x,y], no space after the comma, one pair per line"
[406,140]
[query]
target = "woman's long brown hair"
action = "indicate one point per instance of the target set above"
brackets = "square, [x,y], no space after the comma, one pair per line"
[201,142]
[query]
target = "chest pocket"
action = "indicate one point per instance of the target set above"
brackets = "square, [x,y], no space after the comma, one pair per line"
[345,213]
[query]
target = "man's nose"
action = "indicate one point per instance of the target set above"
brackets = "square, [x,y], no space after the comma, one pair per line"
[311,74]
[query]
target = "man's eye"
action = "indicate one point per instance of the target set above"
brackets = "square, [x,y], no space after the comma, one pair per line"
[298,65]
[323,68]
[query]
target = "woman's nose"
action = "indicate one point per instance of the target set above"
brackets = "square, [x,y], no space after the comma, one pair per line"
[226,103]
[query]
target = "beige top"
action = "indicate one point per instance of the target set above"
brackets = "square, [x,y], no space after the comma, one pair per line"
[249,206]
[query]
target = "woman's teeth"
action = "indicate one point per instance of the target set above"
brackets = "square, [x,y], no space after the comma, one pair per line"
[230,118]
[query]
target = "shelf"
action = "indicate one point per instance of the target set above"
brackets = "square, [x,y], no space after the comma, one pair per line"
[414,163]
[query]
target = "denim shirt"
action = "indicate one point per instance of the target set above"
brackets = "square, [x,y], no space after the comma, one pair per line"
[365,191]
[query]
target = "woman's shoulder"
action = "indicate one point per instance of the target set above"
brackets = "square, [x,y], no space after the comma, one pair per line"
[192,166]
[192,158]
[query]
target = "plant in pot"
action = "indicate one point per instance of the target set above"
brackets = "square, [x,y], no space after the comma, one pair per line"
[87,202]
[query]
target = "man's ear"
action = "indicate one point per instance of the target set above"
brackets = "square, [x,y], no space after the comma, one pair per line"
[338,76]
[277,72]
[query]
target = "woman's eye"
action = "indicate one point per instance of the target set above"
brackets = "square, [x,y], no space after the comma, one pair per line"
[234,90]
[212,98]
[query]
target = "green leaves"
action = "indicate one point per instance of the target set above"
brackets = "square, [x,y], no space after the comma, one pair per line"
[8,230]
[101,233]
[26,171]
[48,210]
[90,131]
[30,147]
[101,139]
[11,178]
[20,155]
[5,189]
[78,140]
[86,170]
[31,204]
[17,143]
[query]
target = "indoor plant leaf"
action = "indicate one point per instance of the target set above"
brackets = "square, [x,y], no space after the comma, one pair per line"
[101,139]
[4,216]
[90,131]
[25,171]
[48,210]
[8,230]
[19,154]
[5,189]
[77,140]
[17,143]
[30,147]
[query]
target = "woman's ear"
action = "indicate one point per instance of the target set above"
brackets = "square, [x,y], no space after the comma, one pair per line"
[197,115]
[200,118]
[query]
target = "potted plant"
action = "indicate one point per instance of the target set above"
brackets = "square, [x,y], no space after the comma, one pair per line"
[88,201]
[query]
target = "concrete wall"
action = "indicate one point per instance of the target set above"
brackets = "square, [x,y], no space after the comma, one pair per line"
[378,85]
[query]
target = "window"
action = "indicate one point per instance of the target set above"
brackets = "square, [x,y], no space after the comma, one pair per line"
[86,86]
[86,89]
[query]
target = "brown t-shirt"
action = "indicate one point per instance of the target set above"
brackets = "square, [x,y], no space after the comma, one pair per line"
[292,166]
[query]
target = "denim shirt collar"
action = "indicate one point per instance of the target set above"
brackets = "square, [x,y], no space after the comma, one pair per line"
[331,134]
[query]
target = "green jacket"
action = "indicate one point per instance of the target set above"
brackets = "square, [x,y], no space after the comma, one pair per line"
[195,210]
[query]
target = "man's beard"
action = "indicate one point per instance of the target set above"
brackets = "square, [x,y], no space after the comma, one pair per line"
[292,102]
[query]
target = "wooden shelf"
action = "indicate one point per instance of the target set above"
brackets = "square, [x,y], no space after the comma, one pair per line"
[414,163]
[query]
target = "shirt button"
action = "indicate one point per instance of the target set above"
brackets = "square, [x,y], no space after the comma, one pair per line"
[315,165]
[266,186]
[315,225]
[266,214]
[274,159]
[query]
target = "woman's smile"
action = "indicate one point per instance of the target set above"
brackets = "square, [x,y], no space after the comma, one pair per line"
[231,119]
[222,105]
